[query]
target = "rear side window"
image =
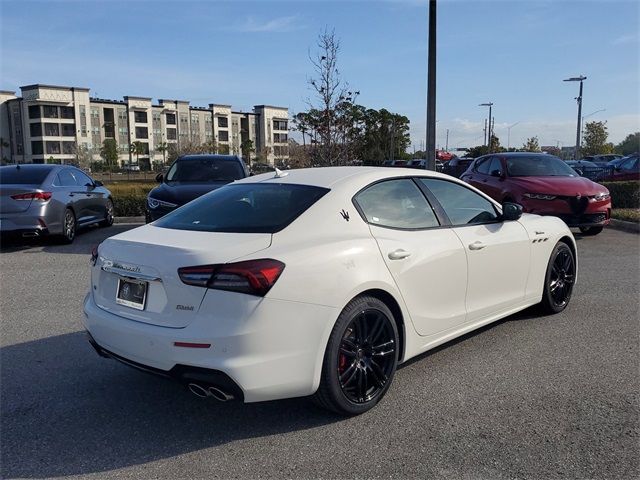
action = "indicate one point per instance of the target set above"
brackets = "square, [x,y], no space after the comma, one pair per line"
[23,175]
[483,166]
[462,205]
[245,208]
[202,170]
[65,178]
[396,204]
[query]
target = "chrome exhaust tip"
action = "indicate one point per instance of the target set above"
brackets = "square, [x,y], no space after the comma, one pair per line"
[198,390]
[220,395]
[213,392]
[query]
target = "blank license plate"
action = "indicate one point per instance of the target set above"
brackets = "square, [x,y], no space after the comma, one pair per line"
[131,293]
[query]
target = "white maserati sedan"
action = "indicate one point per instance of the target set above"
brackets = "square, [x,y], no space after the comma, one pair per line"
[319,282]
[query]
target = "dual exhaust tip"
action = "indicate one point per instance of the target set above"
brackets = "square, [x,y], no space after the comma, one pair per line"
[209,391]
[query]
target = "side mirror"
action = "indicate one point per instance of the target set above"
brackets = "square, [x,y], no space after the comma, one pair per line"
[98,183]
[511,211]
[496,173]
[159,178]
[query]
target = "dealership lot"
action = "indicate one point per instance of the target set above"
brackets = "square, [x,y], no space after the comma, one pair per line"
[529,397]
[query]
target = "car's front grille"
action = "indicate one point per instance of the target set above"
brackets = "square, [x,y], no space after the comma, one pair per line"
[585,219]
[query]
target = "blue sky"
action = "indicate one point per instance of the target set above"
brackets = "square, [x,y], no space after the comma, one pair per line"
[513,53]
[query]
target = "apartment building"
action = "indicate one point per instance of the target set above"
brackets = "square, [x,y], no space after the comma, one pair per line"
[51,123]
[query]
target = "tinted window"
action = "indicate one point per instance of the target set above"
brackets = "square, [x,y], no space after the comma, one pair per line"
[462,206]
[483,166]
[495,165]
[396,204]
[196,170]
[23,176]
[538,166]
[66,178]
[81,178]
[244,208]
[628,164]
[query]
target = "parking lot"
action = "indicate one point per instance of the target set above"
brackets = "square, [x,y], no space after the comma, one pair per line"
[530,396]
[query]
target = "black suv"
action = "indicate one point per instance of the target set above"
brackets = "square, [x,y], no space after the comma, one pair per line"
[188,178]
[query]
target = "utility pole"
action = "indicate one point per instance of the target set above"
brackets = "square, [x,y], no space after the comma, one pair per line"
[489,132]
[446,147]
[580,79]
[484,130]
[431,89]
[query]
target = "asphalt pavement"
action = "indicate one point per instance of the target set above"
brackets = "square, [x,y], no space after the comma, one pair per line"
[528,397]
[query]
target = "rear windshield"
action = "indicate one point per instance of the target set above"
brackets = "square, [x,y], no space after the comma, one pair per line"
[23,175]
[244,208]
[203,170]
[538,166]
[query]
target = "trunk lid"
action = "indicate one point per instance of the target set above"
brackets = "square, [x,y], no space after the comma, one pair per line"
[153,255]
[8,204]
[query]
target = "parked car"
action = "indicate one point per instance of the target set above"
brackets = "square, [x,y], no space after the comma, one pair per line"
[39,200]
[189,177]
[588,169]
[444,155]
[457,166]
[394,163]
[422,163]
[319,282]
[603,159]
[626,169]
[545,185]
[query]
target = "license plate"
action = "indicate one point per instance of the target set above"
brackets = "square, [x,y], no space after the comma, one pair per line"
[131,293]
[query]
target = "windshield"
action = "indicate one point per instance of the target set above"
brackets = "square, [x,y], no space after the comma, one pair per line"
[204,170]
[23,175]
[244,208]
[538,166]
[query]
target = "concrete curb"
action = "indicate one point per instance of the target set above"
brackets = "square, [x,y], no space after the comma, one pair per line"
[625,226]
[128,220]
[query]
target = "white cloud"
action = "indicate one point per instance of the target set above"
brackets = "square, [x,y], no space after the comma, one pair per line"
[275,25]
[626,39]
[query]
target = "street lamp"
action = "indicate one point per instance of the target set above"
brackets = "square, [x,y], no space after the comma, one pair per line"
[488,104]
[580,79]
[509,134]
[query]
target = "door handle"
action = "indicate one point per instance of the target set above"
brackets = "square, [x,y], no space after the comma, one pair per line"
[477,245]
[399,254]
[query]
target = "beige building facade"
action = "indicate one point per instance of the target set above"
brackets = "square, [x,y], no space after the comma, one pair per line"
[57,124]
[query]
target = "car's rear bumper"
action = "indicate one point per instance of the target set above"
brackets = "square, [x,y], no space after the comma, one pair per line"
[23,224]
[273,351]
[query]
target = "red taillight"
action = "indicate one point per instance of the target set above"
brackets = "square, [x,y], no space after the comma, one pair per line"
[255,277]
[41,196]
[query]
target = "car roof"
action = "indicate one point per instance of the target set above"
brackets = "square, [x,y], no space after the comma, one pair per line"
[330,177]
[208,156]
[35,166]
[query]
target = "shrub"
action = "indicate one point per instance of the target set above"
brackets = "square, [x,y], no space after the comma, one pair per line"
[130,205]
[624,194]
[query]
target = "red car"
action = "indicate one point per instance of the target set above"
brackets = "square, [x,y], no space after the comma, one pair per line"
[542,184]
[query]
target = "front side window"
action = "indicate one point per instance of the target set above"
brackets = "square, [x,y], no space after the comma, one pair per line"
[483,166]
[244,208]
[462,205]
[396,203]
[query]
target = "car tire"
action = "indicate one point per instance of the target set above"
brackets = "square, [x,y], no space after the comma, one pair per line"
[559,279]
[360,359]
[108,217]
[590,231]
[68,226]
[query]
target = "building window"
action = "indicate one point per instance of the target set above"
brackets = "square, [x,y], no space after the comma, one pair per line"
[195,118]
[35,129]
[52,147]
[223,135]
[279,124]
[37,148]
[184,118]
[49,111]
[34,111]
[122,114]
[142,132]
[141,117]
[145,149]
[280,151]
[94,113]
[83,120]
[171,133]
[67,112]
[171,118]
[52,129]
[223,122]
[68,148]
[279,138]
[68,129]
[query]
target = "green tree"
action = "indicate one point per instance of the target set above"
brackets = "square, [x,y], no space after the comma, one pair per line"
[531,145]
[138,148]
[629,145]
[595,139]
[247,148]
[478,151]
[83,155]
[495,144]
[162,148]
[109,152]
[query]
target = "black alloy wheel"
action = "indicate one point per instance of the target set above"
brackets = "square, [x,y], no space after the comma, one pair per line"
[108,216]
[559,280]
[361,358]
[68,226]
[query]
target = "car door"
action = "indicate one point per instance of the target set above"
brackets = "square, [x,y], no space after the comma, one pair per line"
[79,195]
[498,253]
[94,197]
[477,176]
[427,261]
[494,179]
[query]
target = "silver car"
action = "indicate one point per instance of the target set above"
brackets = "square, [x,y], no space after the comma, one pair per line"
[38,200]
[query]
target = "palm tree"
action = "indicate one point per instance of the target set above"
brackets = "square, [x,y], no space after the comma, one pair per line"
[162,148]
[138,148]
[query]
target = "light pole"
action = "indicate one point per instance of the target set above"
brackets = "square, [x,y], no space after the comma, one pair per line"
[431,89]
[509,134]
[580,79]
[587,116]
[488,104]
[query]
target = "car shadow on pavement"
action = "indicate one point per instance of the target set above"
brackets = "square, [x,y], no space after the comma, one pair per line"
[85,240]
[66,411]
